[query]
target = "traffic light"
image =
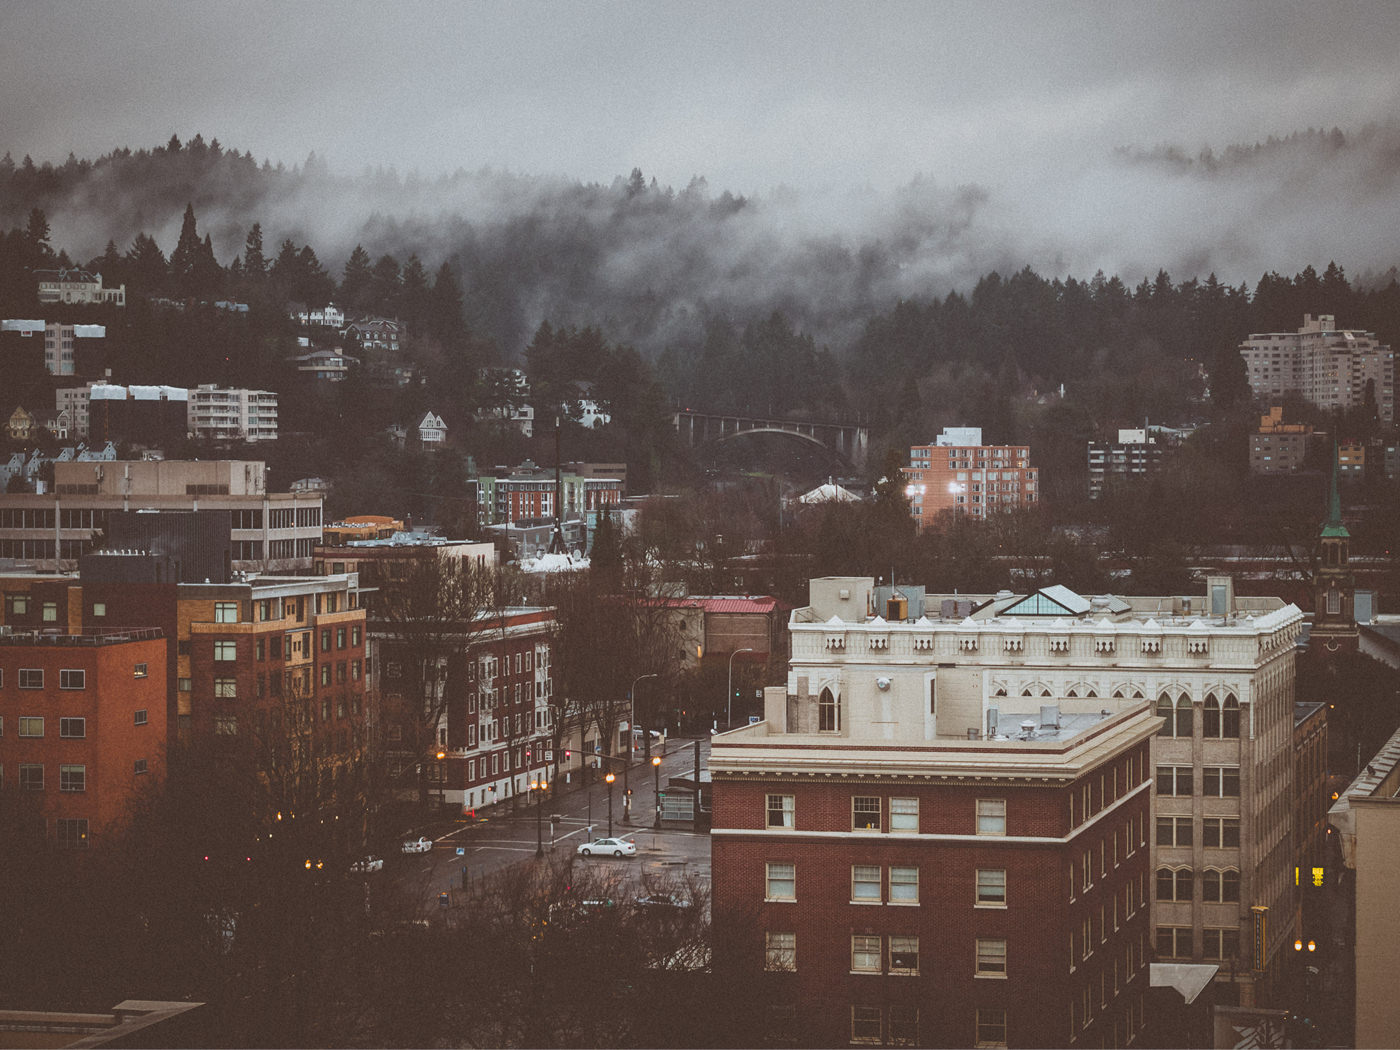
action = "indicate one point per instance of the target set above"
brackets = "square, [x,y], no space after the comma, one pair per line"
[568,754]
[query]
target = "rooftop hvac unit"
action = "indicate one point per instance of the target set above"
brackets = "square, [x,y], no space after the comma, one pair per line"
[992,714]
[1049,716]
[1027,728]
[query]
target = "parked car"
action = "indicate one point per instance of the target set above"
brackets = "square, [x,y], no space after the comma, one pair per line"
[608,848]
[422,844]
[368,864]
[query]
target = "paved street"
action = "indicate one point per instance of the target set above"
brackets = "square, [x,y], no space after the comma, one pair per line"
[501,838]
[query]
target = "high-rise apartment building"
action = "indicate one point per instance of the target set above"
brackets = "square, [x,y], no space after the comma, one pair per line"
[960,474]
[1331,367]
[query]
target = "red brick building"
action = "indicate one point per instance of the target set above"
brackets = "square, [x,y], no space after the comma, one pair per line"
[82,727]
[904,892]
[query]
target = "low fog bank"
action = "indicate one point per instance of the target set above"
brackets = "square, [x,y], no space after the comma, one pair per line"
[650,263]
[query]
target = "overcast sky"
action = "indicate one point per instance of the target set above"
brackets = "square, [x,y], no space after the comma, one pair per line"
[751,95]
[985,131]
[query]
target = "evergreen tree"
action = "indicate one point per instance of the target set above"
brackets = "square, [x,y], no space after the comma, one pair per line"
[146,265]
[254,264]
[414,296]
[605,556]
[356,284]
[37,238]
[444,308]
[184,260]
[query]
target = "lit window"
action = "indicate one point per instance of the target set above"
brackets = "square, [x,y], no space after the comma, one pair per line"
[991,957]
[865,882]
[991,816]
[865,953]
[226,650]
[781,883]
[139,671]
[226,688]
[991,887]
[225,612]
[31,725]
[904,814]
[904,885]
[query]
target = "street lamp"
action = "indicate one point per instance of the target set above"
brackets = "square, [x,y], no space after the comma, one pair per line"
[610,778]
[729,709]
[632,710]
[537,788]
[656,787]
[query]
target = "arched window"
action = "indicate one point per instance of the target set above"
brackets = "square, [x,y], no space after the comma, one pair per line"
[1210,717]
[1334,602]
[1167,712]
[1183,715]
[1072,694]
[1045,692]
[1091,693]
[1118,694]
[828,712]
[1220,887]
[1173,884]
[1231,723]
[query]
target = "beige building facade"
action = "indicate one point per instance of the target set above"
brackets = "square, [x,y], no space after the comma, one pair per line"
[1217,668]
[1327,365]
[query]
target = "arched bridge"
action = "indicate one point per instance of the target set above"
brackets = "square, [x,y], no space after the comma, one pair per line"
[849,441]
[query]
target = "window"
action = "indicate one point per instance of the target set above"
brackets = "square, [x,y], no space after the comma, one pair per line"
[226,688]
[50,610]
[781,882]
[16,605]
[31,725]
[99,609]
[865,813]
[72,679]
[340,637]
[904,885]
[1175,780]
[904,814]
[1178,716]
[1220,832]
[1174,831]
[138,671]
[226,725]
[31,678]
[780,952]
[991,957]
[904,954]
[72,778]
[225,612]
[865,953]
[1220,943]
[865,882]
[226,650]
[991,1027]
[828,712]
[72,728]
[72,834]
[904,1026]
[991,887]
[1173,884]
[325,674]
[1230,723]
[325,638]
[31,777]
[866,1024]
[141,717]
[1174,942]
[354,636]
[139,767]
[1220,887]
[991,816]
[780,811]
[1221,781]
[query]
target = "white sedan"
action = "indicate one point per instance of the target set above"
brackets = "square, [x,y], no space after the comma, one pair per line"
[608,848]
[422,844]
[368,864]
